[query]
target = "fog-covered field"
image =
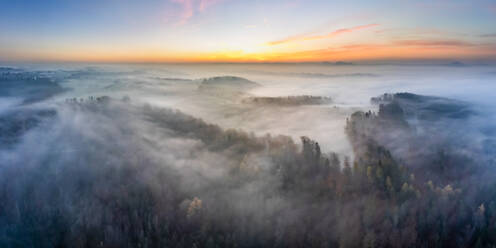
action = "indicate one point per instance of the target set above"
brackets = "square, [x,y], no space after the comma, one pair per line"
[247,155]
[349,87]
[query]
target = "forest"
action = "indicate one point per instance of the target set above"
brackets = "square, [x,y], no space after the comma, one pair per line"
[102,171]
[198,185]
[288,100]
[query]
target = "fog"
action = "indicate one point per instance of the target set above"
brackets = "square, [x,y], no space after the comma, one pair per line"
[350,87]
[249,155]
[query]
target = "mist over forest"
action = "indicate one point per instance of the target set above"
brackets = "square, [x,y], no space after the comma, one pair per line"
[246,155]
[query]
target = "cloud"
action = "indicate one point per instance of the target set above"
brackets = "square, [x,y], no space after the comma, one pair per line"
[492,8]
[306,37]
[187,11]
[491,35]
[389,50]
[204,4]
[190,7]
[434,43]
[415,31]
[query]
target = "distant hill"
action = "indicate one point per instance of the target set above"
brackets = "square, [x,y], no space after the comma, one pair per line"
[343,63]
[289,100]
[229,83]
[456,64]
[425,107]
[31,86]
[337,63]
[9,69]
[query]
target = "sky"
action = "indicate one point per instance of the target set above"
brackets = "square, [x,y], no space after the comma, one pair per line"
[247,30]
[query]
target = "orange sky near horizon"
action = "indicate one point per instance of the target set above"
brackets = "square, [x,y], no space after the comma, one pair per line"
[359,52]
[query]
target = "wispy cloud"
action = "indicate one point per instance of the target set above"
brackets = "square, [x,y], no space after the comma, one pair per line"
[491,35]
[447,49]
[492,8]
[306,37]
[434,43]
[412,31]
[187,11]
[190,7]
[204,4]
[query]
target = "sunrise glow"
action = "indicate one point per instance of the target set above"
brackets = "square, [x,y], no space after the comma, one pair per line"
[246,31]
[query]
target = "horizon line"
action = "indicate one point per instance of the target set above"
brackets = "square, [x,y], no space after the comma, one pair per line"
[325,62]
